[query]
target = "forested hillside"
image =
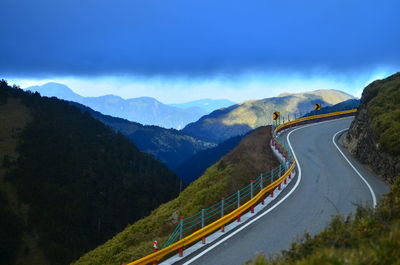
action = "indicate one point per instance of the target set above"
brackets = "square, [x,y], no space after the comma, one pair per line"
[68,183]
[195,166]
[170,146]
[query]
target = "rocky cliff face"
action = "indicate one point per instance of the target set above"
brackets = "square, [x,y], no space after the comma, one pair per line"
[363,138]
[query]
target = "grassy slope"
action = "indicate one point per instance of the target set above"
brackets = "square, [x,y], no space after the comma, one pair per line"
[368,237]
[226,176]
[383,97]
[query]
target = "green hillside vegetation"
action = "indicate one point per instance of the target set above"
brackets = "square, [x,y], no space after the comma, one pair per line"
[67,182]
[370,236]
[238,119]
[383,99]
[233,171]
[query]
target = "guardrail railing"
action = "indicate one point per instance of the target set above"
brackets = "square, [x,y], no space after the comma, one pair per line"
[196,227]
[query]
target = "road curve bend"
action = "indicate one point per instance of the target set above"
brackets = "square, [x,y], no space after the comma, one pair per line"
[331,182]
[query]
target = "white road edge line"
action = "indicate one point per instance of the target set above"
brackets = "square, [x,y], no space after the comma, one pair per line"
[270,209]
[358,173]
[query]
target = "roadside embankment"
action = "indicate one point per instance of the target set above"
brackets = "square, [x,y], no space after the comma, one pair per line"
[374,135]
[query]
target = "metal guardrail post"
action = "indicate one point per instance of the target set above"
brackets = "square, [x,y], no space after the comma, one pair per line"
[261,187]
[251,194]
[222,213]
[251,189]
[272,179]
[180,252]
[181,228]
[281,168]
[222,207]
[238,204]
[203,239]
[272,176]
[202,218]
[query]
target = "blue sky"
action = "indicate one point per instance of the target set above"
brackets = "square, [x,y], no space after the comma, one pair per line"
[178,50]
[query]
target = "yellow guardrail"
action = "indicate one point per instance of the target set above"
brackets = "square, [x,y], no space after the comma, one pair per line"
[280,127]
[199,234]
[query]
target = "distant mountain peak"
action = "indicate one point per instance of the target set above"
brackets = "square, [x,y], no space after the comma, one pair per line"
[55,84]
[146,98]
[53,89]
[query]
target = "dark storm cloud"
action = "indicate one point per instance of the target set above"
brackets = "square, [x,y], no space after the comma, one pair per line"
[94,37]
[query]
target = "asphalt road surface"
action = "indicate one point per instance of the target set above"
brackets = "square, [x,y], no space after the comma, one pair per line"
[327,185]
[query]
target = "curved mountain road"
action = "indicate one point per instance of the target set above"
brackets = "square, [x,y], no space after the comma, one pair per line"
[328,185]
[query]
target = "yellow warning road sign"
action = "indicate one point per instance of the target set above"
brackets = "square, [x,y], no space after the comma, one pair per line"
[317,106]
[276,116]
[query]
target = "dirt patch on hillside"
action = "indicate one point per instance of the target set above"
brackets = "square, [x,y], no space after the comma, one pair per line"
[251,157]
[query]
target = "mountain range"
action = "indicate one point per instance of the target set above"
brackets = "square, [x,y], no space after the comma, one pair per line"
[144,110]
[186,155]
[178,149]
[170,146]
[238,119]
